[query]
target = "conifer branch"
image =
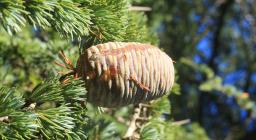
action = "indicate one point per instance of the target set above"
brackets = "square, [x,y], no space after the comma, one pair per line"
[19,118]
[70,18]
[96,20]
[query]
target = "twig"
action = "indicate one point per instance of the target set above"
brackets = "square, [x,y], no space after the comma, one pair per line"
[122,120]
[132,127]
[140,8]
[182,122]
[143,119]
[146,105]
[32,106]
[4,119]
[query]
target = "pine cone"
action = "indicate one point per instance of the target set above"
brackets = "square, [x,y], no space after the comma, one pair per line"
[118,74]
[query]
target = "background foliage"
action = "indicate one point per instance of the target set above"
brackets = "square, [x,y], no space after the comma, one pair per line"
[212,43]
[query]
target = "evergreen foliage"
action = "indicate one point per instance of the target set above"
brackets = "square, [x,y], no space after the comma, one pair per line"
[32,33]
[100,20]
[44,113]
